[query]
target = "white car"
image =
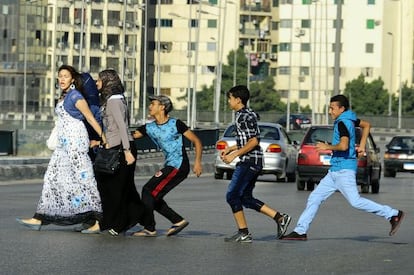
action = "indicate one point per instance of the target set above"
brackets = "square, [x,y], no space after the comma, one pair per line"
[279,152]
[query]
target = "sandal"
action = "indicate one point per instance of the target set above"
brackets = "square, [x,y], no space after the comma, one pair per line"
[145,233]
[176,228]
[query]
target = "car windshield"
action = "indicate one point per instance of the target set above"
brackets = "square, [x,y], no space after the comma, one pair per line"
[403,143]
[325,135]
[266,132]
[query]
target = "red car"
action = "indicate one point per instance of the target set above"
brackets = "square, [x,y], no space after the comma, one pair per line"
[312,166]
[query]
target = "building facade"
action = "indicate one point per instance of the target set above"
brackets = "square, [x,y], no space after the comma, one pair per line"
[174,47]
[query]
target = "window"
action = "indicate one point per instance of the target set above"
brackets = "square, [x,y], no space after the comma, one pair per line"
[304,70]
[275,3]
[370,24]
[338,1]
[369,47]
[303,94]
[286,23]
[285,47]
[305,47]
[275,25]
[112,63]
[166,2]
[273,71]
[274,48]
[305,23]
[194,23]
[95,64]
[368,72]
[212,23]
[284,70]
[284,93]
[371,2]
[306,2]
[168,23]
[211,46]
[192,46]
[165,68]
[286,1]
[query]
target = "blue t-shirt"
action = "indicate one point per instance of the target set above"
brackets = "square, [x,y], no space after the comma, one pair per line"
[168,137]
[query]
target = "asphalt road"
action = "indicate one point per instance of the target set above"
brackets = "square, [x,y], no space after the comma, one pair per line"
[342,240]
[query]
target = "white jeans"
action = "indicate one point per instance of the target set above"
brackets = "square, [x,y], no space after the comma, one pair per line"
[345,182]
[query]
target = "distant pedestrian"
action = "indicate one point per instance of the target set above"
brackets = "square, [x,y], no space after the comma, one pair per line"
[168,133]
[342,173]
[240,190]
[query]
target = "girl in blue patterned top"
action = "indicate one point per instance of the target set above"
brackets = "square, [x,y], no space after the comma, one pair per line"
[168,133]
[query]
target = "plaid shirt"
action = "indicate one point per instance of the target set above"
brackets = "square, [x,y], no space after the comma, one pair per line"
[247,128]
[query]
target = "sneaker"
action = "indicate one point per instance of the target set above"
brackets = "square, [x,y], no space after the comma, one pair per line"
[396,222]
[239,237]
[293,236]
[283,225]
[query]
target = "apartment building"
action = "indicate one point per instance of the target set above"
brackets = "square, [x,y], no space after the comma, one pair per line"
[187,42]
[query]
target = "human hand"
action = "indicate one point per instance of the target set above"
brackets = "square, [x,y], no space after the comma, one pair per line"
[197,169]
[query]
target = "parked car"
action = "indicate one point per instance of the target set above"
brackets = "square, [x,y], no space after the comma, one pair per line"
[312,166]
[278,149]
[399,156]
[297,121]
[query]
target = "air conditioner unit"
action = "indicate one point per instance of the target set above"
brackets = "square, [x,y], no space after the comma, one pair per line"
[61,45]
[97,22]
[76,46]
[77,21]
[128,25]
[273,56]
[128,49]
[111,48]
[102,47]
[120,24]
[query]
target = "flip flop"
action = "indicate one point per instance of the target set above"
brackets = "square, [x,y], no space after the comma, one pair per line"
[145,233]
[175,229]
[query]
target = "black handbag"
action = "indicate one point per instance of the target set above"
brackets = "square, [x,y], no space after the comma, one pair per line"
[107,160]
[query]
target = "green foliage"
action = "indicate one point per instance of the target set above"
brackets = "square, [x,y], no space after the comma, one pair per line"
[367,98]
[263,96]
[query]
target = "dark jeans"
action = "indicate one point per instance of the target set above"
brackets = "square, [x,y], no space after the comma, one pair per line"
[240,190]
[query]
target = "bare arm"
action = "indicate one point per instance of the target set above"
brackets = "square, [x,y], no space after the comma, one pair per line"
[366,127]
[232,152]
[198,168]
[343,145]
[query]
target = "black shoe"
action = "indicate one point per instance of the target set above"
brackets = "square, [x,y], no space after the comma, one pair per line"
[283,225]
[293,236]
[239,237]
[396,222]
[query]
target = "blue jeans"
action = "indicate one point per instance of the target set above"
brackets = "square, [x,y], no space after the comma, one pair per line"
[240,190]
[343,181]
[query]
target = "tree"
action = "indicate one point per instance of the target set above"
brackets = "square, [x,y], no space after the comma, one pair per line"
[263,96]
[367,98]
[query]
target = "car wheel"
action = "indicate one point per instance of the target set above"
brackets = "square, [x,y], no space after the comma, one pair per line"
[300,184]
[310,185]
[291,177]
[375,185]
[365,188]
[218,175]
[389,173]
[229,174]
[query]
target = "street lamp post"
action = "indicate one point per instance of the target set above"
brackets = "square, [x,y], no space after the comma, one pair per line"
[25,65]
[391,66]
[400,78]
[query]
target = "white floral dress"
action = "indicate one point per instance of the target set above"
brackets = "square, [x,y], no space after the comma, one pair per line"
[70,193]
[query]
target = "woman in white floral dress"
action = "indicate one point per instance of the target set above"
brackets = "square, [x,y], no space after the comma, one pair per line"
[70,195]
